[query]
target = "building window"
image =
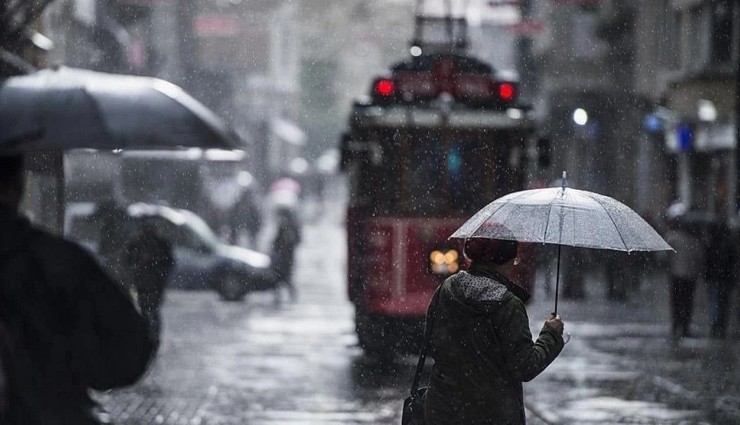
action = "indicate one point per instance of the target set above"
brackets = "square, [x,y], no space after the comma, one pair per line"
[696,38]
[721,31]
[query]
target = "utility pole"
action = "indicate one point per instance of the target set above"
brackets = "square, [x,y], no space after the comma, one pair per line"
[186,48]
[737,106]
[526,58]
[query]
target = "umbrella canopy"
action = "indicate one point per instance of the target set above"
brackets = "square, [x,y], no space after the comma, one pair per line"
[68,108]
[563,216]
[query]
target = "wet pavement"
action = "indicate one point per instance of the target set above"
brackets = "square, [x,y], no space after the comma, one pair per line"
[623,367]
[267,362]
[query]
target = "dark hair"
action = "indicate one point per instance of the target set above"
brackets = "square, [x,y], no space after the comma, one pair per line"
[496,251]
[11,169]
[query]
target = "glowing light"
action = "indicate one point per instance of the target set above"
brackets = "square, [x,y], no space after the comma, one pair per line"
[437,257]
[415,51]
[580,116]
[385,87]
[506,91]
[444,262]
[515,114]
[706,110]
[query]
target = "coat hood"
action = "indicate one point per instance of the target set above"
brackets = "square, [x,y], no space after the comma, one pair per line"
[15,231]
[480,290]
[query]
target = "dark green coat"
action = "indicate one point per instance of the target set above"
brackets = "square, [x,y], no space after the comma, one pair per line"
[483,351]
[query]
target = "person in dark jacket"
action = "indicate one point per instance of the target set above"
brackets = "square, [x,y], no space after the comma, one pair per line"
[684,269]
[245,217]
[481,342]
[113,229]
[150,260]
[720,274]
[71,327]
[288,236]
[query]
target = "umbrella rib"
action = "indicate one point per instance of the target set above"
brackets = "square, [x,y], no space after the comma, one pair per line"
[612,219]
[499,207]
[547,223]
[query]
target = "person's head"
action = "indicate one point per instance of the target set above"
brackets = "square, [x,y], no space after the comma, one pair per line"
[11,180]
[284,213]
[496,252]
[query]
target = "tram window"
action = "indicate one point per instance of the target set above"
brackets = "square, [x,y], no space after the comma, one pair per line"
[424,174]
[468,186]
[425,191]
[378,186]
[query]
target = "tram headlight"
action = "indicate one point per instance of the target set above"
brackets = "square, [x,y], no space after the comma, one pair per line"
[444,261]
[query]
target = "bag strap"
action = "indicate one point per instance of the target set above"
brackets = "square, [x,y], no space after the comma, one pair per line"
[425,347]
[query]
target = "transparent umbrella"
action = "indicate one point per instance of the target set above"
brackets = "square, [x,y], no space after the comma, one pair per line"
[563,216]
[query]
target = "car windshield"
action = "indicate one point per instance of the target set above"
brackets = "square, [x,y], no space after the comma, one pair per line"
[200,229]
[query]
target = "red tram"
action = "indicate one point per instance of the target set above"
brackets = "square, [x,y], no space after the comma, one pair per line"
[437,139]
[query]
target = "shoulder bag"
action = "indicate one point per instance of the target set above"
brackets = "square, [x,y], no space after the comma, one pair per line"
[413,405]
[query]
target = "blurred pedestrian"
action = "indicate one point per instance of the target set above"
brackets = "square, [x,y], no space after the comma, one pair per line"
[112,238]
[573,269]
[618,275]
[150,260]
[685,268]
[245,217]
[287,237]
[71,327]
[481,341]
[720,275]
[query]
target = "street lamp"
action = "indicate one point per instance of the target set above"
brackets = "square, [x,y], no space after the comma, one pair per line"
[580,116]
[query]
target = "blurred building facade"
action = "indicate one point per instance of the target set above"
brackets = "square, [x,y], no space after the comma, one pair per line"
[639,99]
[692,71]
[587,102]
[635,97]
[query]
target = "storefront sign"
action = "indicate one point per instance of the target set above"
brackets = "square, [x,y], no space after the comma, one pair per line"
[714,136]
[679,138]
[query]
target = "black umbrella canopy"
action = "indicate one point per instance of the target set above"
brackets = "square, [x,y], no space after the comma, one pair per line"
[68,108]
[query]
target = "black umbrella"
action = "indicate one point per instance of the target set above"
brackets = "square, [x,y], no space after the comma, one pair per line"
[68,108]
[59,109]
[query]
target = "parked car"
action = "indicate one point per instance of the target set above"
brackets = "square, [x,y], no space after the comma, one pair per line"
[202,260]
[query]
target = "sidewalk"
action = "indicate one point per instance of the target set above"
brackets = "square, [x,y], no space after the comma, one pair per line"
[621,365]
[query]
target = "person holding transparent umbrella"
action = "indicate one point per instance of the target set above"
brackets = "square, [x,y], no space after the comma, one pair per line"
[481,342]
[558,216]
